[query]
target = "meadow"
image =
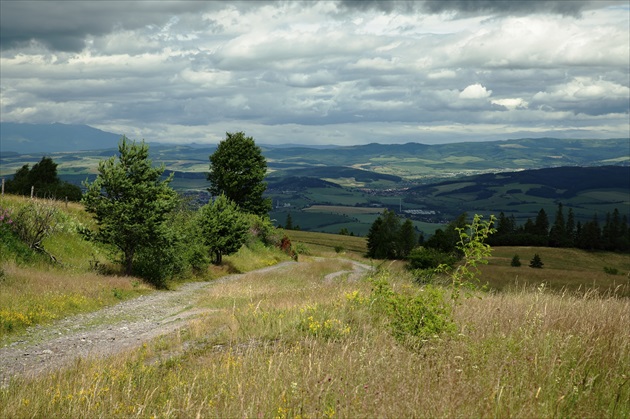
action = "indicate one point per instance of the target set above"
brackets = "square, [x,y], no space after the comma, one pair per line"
[298,342]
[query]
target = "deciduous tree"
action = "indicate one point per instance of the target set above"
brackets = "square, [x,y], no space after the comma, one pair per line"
[237,169]
[223,227]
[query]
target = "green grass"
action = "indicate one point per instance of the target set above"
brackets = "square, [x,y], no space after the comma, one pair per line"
[327,242]
[291,344]
[570,270]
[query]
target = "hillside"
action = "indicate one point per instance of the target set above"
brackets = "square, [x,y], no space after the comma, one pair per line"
[80,146]
[49,138]
[331,188]
[588,190]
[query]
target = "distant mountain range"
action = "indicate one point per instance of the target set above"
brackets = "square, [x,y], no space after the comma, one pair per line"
[27,143]
[48,138]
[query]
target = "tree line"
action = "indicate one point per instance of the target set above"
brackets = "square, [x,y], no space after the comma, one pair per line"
[613,234]
[42,181]
[389,238]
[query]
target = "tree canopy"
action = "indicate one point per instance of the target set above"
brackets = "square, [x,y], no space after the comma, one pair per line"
[237,169]
[130,201]
[388,239]
[43,177]
[223,227]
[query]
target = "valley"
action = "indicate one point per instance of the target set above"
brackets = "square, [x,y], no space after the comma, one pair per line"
[335,188]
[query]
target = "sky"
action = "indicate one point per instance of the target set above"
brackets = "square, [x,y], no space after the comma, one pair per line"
[320,72]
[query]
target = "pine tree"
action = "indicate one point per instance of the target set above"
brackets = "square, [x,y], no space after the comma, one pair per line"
[558,233]
[407,238]
[570,229]
[536,262]
[130,201]
[516,261]
[288,225]
[541,225]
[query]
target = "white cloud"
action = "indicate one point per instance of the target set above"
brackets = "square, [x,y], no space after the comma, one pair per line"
[192,70]
[475,91]
[584,88]
[442,74]
[511,103]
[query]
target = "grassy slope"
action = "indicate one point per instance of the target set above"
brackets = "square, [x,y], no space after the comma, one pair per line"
[292,344]
[35,291]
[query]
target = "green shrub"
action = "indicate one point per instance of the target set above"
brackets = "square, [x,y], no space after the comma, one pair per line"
[429,258]
[301,249]
[413,316]
[11,247]
[178,254]
[611,271]
[34,222]
[516,261]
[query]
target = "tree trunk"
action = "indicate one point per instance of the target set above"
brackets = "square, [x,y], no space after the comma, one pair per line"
[128,262]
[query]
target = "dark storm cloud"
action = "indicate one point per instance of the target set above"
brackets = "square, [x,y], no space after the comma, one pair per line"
[473,7]
[64,25]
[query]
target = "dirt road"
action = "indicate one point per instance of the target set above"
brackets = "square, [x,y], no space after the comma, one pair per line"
[113,329]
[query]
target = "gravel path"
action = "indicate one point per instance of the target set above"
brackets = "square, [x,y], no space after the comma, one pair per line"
[113,329]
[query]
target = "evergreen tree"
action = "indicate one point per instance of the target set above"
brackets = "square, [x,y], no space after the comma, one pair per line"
[446,240]
[130,201]
[541,225]
[505,225]
[558,233]
[375,244]
[536,262]
[288,225]
[383,237]
[516,261]
[407,238]
[43,178]
[590,235]
[612,234]
[528,227]
[625,234]
[570,229]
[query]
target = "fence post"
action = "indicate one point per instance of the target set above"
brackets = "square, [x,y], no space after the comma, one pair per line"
[2,186]
[32,191]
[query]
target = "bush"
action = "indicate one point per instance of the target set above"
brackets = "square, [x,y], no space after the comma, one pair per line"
[516,261]
[611,271]
[34,222]
[429,258]
[414,316]
[261,228]
[178,254]
[10,243]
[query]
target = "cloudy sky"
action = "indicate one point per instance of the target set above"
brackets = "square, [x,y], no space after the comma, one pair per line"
[320,72]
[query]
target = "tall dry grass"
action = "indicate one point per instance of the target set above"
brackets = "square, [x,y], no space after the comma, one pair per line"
[299,343]
[31,296]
